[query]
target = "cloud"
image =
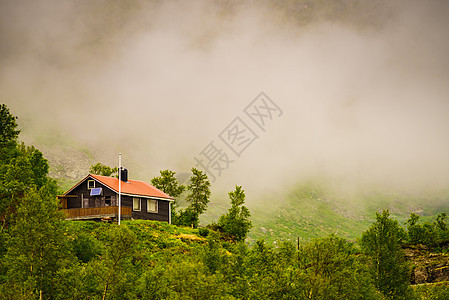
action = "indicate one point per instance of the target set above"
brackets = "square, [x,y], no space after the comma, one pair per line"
[363,87]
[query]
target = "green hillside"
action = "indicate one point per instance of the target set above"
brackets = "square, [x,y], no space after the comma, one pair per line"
[153,238]
[314,209]
[167,261]
[306,211]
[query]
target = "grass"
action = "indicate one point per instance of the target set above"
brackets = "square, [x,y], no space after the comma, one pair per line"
[439,290]
[142,228]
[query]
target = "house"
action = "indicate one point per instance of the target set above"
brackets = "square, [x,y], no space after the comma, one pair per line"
[96,197]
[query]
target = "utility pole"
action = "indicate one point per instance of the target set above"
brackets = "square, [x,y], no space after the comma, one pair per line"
[119,186]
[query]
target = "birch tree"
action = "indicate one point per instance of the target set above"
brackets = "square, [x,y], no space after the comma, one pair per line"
[37,247]
[382,243]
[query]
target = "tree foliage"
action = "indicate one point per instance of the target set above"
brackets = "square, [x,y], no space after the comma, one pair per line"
[168,183]
[333,266]
[198,198]
[199,191]
[37,249]
[236,222]
[100,169]
[187,217]
[430,234]
[382,243]
[8,133]
[150,260]
[27,170]
[116,259]
[44,257]
[22,168]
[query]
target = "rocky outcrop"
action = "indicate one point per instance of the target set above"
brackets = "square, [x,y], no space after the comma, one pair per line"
[427,266]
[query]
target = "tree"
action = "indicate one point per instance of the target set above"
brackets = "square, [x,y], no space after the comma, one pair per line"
[429,233]
[199,188]
[100,169]
[8,133]
[85,247]
[20,174]
[14,181]
[332,266]
[239,270]
[236,222]
[263,273]
[187,217]
[169,184]
[198,197]
[211,257]
[442,228]
[181,276]
[382,243]
[414,230]
[8,152]
[37,247]
[38,164]
[26,169]
[117,259]
[441,222]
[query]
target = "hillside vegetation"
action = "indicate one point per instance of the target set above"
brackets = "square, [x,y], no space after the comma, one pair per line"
[155,260]
[42,256]
[311,211]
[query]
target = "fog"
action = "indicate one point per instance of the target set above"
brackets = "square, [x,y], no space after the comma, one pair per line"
[363,88]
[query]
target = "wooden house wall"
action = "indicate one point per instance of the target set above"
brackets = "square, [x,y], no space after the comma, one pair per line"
[161,215]
[74,202]
[127,201]
[91,201]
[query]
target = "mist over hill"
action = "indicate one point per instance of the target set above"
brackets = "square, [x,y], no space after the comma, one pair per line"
[361,89]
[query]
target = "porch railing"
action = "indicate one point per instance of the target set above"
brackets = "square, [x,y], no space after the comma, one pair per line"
[96,212]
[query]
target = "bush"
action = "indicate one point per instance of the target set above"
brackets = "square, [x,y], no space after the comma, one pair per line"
[203,232]
[430,234]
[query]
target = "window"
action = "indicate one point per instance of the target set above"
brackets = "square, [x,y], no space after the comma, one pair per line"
[152,205]
[107,201]
[90,184]
[136,204]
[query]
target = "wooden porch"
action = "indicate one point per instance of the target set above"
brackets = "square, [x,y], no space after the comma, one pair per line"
[96,212]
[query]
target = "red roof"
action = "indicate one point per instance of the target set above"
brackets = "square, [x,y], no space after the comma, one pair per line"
[131,187]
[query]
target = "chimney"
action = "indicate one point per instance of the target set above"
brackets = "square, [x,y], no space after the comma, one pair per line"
[124,174]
